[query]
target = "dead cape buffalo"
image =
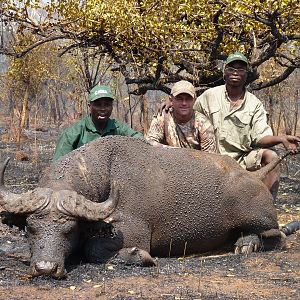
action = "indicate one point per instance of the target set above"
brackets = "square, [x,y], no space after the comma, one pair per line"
[119,198]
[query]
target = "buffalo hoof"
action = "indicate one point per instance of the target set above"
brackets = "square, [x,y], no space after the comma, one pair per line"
[247,244]
[133,256]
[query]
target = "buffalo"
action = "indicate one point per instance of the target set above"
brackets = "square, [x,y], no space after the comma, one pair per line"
[120,199]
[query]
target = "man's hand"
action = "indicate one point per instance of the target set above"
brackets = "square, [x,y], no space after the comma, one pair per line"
[165,105]
[291,143]
[160,145]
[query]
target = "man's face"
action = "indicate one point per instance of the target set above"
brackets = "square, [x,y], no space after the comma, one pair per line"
[101,110]
[235,73]
[182,105]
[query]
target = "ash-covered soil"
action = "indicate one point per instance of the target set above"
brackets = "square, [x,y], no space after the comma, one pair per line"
[217,275]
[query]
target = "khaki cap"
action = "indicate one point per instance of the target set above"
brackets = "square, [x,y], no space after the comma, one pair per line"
[183,87]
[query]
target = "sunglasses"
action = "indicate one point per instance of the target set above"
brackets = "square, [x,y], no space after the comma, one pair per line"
[238,71]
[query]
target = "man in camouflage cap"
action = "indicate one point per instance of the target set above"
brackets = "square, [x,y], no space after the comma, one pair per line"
[97,124]
[178,127]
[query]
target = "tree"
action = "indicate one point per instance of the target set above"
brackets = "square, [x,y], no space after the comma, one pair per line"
[40,84]
[283,104]
[154,43]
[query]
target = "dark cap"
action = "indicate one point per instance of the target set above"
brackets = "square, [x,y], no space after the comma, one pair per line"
[237,56]
[100,91]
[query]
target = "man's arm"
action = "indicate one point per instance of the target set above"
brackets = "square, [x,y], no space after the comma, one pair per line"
[290,142]
[66,143]
[198,105]
[262,133]
[125,130]
[155,134]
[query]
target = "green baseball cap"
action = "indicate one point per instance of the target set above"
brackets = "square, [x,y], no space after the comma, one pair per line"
[237,56]
[100,91]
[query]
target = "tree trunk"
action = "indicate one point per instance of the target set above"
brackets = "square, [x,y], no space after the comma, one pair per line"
[296,112]
[279,122]
[130,111]
[271,113]
[23,116]
[144,109]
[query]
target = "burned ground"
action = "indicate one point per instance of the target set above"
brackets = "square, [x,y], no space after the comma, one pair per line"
[217,275]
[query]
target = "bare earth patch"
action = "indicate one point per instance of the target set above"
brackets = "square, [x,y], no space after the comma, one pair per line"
[218,275]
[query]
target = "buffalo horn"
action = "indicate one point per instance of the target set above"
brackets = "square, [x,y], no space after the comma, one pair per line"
[25,203]
[21,203]
[73,204]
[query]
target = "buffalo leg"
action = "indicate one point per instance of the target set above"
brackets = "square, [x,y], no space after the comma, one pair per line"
[247,244]
[133,256]
[128,244]
[103,250]
[269,239]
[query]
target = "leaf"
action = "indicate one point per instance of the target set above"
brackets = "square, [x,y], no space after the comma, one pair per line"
[110,267]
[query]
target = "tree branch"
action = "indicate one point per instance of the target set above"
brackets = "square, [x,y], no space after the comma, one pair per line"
[31,47]
[258,86]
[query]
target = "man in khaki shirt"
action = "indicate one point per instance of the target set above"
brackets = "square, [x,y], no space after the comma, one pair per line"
[178,127]
[240,121]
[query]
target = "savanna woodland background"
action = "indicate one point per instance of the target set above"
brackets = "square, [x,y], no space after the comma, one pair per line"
[53,52]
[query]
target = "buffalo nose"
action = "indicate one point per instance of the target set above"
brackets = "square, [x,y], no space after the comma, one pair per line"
[45,267]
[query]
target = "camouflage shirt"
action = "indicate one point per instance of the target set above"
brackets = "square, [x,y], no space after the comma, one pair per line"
[198,133]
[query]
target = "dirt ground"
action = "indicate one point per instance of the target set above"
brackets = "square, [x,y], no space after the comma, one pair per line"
[217,275]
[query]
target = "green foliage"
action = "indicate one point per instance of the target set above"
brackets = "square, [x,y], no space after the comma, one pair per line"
[165,40]
[42,66]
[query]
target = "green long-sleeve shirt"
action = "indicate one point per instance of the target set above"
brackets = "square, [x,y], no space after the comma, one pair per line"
[84,131]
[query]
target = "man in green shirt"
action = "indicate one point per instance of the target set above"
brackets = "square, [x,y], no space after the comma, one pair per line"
[96,124]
